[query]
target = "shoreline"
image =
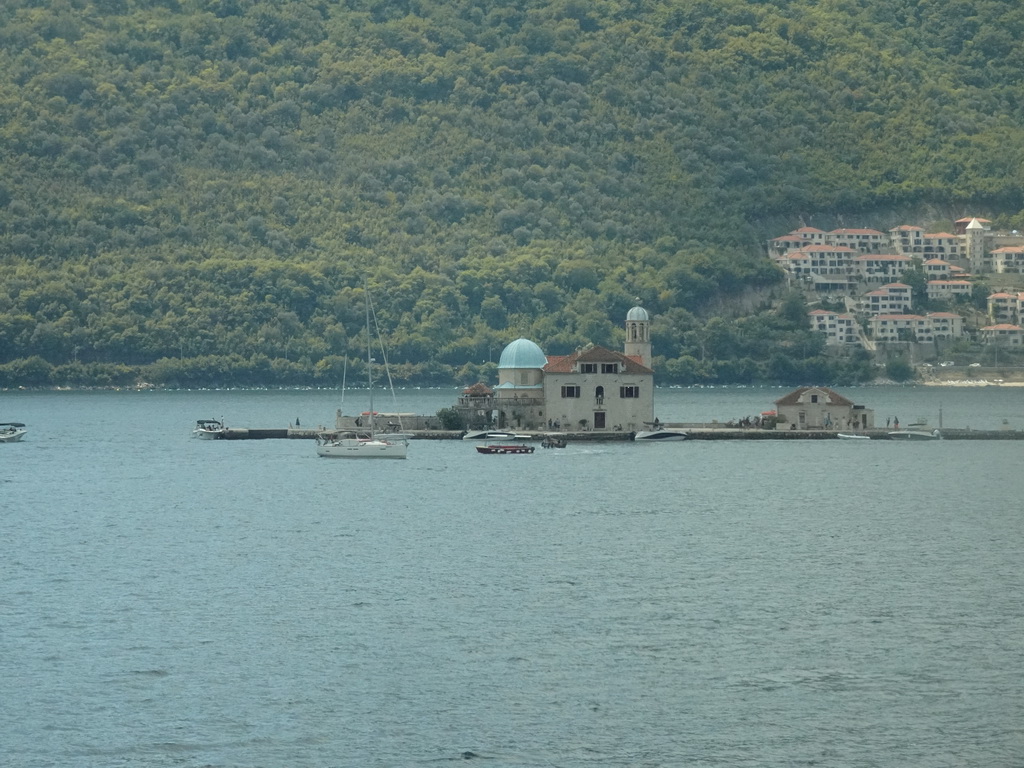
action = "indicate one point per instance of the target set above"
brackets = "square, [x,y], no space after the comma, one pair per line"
[147,387]
[972,383]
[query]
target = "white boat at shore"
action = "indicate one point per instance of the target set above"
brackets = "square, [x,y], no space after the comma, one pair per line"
[849,436]
[350,445]
[371,444]
[660,435]
[915,434]
[494,434]
[209,429]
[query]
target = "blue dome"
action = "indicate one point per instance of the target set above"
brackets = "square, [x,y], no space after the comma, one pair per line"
[638,313]
[522,353]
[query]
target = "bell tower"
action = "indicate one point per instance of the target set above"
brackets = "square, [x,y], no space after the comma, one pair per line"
[975,247]
[638,335]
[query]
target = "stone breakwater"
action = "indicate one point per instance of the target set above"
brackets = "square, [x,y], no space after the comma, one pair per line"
[694,432]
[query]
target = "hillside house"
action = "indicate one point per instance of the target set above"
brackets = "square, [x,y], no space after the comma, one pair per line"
[893,297]
[1005,307]
[935,326]
[839,328]
[1003,335]
[948,290]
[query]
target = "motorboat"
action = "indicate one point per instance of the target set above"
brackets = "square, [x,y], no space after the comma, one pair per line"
[209,429]
[553,441]
[371,444]
[915,434]
[12,432]
[505,448]
[493,434]
[849,436]
[660,435]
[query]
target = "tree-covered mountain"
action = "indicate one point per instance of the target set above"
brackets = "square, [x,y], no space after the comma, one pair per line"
[193,191]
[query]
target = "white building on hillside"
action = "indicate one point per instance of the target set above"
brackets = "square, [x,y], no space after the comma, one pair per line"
[839,328]
[1005,307]
[934,326]
[948,290]
[1003,334]
[894,297]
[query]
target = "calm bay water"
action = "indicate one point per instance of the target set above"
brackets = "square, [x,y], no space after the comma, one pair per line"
[172,602]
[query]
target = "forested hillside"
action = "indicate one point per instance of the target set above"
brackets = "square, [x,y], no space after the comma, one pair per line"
[192,191]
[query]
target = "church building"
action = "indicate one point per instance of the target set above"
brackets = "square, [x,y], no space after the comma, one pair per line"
[593,389]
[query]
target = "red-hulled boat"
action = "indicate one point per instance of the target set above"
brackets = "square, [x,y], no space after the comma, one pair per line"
[505,449]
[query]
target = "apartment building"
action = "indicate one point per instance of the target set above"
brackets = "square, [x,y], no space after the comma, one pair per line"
[919,328]
[890,298]
[948,290]
[1005,307]
[839,328]
[1003,334]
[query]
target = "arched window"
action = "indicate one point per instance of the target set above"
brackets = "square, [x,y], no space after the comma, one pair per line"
[599,395]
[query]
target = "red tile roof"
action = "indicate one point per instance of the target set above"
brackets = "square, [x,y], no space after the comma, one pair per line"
[478,390]
[793,398]
[595,354]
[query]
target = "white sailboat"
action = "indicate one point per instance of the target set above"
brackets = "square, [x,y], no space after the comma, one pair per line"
[367,444]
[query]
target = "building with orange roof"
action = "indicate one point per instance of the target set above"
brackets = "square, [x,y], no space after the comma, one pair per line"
[822,408]
[838,327]
[1005,307]
[892,297]
[935,326]
[1008,260]
[593,389]
[948,290]
[1003,334]
[972,245]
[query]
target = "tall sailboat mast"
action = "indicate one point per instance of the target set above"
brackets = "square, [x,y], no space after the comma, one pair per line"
[369,358]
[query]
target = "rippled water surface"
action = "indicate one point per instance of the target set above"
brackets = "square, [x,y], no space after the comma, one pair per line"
[172,602]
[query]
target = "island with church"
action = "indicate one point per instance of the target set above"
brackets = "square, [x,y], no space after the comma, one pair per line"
[597,393]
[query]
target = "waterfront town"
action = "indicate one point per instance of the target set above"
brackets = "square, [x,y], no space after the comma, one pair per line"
[862,270]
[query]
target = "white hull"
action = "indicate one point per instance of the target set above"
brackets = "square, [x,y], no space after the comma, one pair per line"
[844,436]
[372,445]
[12,436]
[910,434]
[659,436]
[354,448]
[494,434]
[208,434]
[209,429]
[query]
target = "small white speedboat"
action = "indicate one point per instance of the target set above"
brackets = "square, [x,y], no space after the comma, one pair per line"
[660,435]
[494,434]
[849,436]
[12,432]
[915,434]
[209,429]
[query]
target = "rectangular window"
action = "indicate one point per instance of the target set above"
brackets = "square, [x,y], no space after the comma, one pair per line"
[625,392]
[570,390]
[609,367]
[588,367]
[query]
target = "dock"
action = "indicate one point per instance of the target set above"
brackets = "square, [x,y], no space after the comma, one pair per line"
[693,431]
